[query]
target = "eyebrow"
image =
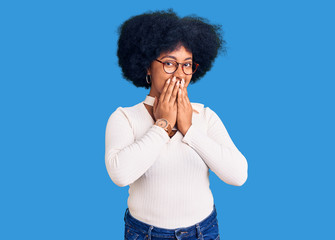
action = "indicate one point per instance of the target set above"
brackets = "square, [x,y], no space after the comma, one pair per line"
[189,58]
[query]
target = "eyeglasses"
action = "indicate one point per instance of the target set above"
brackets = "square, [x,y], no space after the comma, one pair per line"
[170,66]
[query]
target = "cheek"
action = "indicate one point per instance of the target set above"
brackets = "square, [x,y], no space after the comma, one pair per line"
[188,80]
[160,87]
[160,83]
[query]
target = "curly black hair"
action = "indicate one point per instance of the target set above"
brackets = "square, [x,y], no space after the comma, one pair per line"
[144,37]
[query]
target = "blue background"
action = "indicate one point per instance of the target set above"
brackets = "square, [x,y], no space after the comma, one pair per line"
[60,81]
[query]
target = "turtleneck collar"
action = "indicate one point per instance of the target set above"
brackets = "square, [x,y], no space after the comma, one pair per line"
[149,100]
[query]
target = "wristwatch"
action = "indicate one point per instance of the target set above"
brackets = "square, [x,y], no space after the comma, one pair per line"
[163,123]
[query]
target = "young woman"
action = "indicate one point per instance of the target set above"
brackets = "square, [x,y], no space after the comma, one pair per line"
[164,146]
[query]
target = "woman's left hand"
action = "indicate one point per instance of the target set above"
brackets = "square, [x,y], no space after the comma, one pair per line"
[184,110]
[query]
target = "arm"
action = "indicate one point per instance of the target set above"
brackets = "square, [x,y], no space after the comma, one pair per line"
[218,150]
[126,159]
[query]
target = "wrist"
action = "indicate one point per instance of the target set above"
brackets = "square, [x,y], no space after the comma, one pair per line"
[185,130]
[163,123]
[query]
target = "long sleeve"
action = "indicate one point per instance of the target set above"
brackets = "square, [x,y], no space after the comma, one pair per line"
[126,159]
[218,150]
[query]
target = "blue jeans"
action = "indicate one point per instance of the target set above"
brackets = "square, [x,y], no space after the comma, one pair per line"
[207,229]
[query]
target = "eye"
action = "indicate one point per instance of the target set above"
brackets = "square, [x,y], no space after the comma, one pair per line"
[187,65]
[169,64]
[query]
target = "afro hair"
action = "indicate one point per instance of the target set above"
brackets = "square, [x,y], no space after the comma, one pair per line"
[144,37]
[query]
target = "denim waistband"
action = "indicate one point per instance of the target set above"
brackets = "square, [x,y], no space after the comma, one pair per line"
[163,232]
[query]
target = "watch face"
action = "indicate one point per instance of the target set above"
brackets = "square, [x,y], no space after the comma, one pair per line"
[162,123]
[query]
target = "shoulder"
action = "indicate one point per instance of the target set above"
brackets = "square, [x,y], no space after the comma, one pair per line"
[206,113]
[197,107]
[126,113]
[201,109]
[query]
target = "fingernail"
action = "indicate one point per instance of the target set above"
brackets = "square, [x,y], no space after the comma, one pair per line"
[178,83]
[174,79]
[168,81]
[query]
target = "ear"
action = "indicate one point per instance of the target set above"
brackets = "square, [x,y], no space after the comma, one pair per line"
[148,71]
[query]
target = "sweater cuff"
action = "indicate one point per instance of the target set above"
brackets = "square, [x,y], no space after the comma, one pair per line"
[162,133]
[191,134]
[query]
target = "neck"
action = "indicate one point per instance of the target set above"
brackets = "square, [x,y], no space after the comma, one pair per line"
[154,93]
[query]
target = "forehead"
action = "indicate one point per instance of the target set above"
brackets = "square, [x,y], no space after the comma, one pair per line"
[180,52]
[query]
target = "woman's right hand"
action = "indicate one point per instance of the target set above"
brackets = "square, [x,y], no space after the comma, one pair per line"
[166,106]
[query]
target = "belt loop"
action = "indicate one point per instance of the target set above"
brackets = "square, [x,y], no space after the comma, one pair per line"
[149,232]
[199,233]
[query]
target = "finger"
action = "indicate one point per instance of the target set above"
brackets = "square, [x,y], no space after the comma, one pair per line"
[175,92]
[167,83]
[182,83]
[180,95]
[188,101]
[185,97]
[170,89]
[185,91]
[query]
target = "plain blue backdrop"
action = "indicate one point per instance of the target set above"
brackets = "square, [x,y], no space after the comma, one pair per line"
[60,81]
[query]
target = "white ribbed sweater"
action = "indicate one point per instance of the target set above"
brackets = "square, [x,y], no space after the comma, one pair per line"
[168,178]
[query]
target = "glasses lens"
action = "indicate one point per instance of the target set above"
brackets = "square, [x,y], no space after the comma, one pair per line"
[188,67]
[170,66]
[194,67]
